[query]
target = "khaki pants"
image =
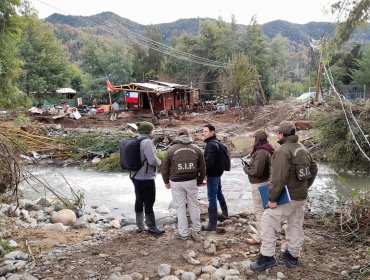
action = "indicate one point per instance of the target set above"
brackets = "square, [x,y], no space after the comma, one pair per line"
[258,207]
[185,194]
[271,221]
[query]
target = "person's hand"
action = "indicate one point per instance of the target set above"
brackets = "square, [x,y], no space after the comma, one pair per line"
[272,205]
[167,186]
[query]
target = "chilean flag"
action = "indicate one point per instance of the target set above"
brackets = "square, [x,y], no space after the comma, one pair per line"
[109,86]
[132,97]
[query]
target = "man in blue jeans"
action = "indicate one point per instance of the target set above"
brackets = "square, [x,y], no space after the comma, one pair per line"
[213,172]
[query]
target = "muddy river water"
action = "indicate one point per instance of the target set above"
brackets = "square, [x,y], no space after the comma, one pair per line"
[115,190]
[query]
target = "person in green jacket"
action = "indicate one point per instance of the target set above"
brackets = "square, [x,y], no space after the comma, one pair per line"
[183,171]
[258,171]
[292,166]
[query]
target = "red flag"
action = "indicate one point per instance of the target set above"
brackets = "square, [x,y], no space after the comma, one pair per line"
[109,86]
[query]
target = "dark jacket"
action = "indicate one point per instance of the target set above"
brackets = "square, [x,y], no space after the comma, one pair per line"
[183,161]
[289,162]
[258,170]
[212,156]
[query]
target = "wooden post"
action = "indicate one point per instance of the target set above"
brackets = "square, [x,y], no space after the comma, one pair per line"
[150,103]
[110,98]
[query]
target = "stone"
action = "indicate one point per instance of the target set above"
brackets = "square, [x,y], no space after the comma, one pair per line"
[66,216]
[164,270]
[102,210]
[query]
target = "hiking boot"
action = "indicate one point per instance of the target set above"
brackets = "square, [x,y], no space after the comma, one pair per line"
[263,263]
[178,236]
[289,260]
[196,236]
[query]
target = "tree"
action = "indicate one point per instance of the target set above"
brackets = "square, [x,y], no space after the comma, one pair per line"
[106,57]
[256,47]
[362,74]
[243,80]
[355,12]
[44,67]
[278,58]
[10,26]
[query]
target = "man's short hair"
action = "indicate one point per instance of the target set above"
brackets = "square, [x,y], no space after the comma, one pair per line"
[210,127]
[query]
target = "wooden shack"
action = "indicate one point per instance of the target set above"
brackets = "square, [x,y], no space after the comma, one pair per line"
[161,96]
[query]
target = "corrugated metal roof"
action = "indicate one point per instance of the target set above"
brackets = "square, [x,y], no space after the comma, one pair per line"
[157,88]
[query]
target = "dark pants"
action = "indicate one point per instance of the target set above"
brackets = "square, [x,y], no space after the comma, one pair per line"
[145,195]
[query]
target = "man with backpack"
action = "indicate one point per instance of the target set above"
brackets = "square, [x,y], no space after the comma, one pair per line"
[143,180]
[214,170]
[183,170]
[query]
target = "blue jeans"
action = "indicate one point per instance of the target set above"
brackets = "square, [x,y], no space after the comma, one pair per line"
[214,192]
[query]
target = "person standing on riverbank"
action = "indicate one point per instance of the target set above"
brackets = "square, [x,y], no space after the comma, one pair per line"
[144,182]
[292,166]
[258,171]
[183,170]
[212,155]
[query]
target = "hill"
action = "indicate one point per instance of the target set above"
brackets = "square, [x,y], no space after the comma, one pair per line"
[110,22]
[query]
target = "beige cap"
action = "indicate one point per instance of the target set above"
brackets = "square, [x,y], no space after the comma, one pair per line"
[261,134]
[183,131]
[286,127]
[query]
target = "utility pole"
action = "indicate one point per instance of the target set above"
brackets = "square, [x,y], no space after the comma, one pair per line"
[318,80]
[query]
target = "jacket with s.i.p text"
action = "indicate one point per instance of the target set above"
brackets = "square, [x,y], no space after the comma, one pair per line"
[293,166]
[183,161]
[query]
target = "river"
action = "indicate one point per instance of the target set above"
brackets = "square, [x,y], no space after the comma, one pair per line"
[115,190]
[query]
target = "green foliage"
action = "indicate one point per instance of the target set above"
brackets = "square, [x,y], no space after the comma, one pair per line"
[96,142]
[338,147]
[21,120]
[6,248]
[361,75]
[10,24]
[243,80]
[44,67]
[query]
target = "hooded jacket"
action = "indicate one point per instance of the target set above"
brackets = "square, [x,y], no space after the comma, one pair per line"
[147,153]
[183,161]
[292,166]
[258,170]
[212,157]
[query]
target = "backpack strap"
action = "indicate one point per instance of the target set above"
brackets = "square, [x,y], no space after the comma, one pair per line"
[141,138]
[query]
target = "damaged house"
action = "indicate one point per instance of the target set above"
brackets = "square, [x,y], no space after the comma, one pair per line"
[159,96]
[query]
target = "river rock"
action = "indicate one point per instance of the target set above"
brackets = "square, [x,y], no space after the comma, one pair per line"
[102,210]
[66,216]
[164,270]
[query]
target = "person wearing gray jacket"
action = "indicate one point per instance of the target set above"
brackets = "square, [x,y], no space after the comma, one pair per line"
[144,182]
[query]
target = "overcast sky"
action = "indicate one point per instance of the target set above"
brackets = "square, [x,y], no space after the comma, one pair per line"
[164,11]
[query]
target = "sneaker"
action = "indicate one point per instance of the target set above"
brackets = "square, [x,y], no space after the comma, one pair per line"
[263,263]
[178,236]
[196,236]
[289,260]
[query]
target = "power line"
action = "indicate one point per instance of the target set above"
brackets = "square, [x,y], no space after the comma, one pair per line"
[151,44]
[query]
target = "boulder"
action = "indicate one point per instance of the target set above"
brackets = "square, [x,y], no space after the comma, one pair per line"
[66,216]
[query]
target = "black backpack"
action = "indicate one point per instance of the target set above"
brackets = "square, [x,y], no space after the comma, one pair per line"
[225,162]
[129,153]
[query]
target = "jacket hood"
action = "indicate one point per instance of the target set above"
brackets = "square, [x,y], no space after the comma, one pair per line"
[268,147]
[183,139]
